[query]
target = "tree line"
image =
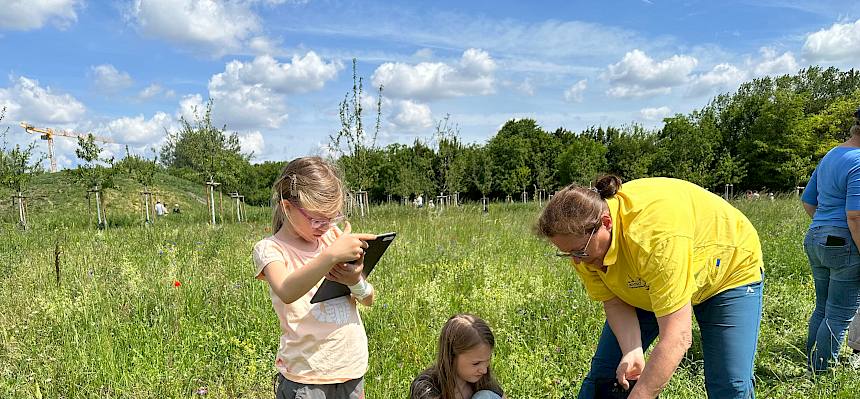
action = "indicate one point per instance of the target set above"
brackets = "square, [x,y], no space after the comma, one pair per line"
[767,135]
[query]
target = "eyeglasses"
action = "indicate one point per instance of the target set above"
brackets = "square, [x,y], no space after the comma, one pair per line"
[580,253]
[319,224]
[315,223]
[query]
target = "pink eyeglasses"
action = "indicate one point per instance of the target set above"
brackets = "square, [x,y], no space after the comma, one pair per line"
[319,224]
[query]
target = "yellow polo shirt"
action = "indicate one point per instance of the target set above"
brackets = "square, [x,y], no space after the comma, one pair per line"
[673,243]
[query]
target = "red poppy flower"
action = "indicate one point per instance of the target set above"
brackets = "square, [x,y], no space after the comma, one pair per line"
[176,283]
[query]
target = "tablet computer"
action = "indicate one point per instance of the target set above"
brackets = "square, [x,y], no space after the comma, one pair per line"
[331,289]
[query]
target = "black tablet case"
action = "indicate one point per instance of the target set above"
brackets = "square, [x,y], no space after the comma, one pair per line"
[330,289]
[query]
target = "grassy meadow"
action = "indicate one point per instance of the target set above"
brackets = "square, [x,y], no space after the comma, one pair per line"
[172,310]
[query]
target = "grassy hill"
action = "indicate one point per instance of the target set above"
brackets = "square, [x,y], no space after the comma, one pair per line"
[56,199]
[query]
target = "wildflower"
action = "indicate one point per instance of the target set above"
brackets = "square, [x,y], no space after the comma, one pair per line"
[202,391]
[176,283]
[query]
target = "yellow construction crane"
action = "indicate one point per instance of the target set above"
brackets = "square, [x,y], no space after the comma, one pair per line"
[48,134]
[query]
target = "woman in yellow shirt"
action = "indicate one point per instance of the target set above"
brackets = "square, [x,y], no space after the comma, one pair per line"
[655,252]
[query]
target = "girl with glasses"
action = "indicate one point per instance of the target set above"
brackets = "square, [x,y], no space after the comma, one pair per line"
[323,346]
[657,251]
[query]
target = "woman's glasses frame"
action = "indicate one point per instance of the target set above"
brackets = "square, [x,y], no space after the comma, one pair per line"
[582,253]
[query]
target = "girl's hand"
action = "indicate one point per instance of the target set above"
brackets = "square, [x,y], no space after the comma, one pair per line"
[630,367]
[345,273]
[348,247]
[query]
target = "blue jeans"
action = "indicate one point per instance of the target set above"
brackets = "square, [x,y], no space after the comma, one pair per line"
[486,394]
[729,322]
[836,272]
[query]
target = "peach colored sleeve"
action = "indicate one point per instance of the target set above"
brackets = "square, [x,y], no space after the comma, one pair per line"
[265,252]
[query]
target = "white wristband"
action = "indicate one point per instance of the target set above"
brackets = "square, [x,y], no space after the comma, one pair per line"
[361,290]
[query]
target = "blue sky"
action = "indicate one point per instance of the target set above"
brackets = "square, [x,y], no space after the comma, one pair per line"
[277,69]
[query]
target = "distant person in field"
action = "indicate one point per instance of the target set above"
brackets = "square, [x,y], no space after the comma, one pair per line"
[323,346]
[462,367]
[160,210]
[419,201]
[176,209]
[656,252]
[832,200]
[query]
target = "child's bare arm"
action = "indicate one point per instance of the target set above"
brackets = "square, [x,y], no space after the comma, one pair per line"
[291,286]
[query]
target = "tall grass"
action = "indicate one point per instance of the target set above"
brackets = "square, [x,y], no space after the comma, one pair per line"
[119,326]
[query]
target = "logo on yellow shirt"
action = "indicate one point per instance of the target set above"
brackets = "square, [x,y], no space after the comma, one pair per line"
[637,283]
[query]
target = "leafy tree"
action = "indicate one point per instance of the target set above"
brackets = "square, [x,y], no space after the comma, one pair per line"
[582,160]
[200,151]
[140,169]
[449,151]
[18,164]
[687,148]
[92,171]
[630,152]
[351,142]
[258,179]
[479,167]
[771,147]
[509,149]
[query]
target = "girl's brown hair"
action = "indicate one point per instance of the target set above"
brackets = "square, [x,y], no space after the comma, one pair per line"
[576,209]
[311,183]
[462,332]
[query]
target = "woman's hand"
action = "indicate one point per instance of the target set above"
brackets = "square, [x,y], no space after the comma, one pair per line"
[348,247]
[630,367]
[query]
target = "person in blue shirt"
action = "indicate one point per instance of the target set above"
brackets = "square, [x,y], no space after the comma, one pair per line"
[832,199]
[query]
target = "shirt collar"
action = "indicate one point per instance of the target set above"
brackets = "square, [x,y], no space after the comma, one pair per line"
[615,213]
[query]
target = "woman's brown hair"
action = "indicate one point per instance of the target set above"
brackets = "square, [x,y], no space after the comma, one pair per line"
[576,209]
[311,183]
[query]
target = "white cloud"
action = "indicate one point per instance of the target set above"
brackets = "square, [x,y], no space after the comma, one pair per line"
[205,26]
[721,76]
[411,116]
[252,95]
[526,87]
[26,100]
[839,43]
[252,142]
[137,130]
[653,114]
[472,75]
[108,79]
[244,108]
[153,90]
[424,53]
[638,75]
[574,92]
[264,45]
[34,14]
[191,107]
[774,65]
[301,74]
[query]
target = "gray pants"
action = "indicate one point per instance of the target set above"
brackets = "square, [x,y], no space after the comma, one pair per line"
[286,389]
[854,332]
